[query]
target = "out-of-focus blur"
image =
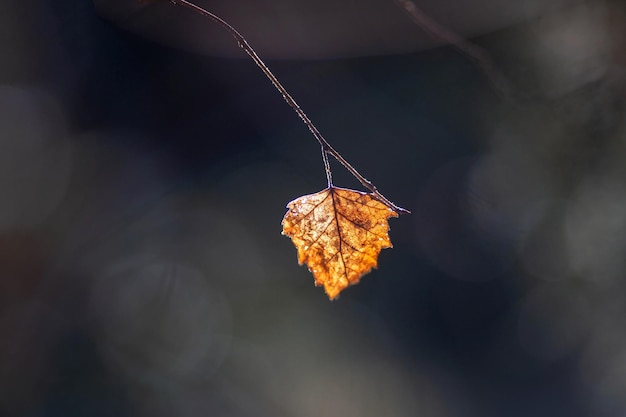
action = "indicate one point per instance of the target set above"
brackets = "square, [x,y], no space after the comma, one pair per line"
[142,270]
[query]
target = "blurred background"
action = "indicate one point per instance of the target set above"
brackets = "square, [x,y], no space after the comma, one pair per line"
[145,169]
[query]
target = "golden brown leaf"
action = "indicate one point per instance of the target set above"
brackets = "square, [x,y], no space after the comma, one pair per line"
[339,234]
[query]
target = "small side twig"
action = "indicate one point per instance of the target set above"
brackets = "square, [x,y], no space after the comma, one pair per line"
[327,149]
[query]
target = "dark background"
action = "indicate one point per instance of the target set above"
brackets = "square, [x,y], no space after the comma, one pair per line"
[142,269]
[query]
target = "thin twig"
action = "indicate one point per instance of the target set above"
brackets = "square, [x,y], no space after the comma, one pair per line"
[477,54]
[326,148]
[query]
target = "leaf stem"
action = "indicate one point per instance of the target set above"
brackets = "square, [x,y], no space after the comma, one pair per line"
[329,174]
[327,149]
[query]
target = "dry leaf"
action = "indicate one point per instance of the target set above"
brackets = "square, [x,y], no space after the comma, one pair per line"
[339,234]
